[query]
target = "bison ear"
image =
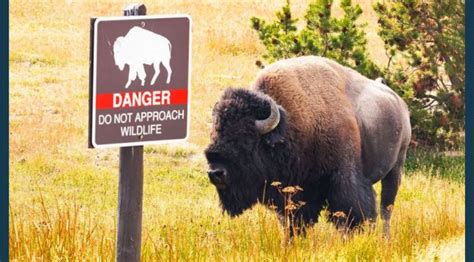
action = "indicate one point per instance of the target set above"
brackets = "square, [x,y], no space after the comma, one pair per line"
[277,135]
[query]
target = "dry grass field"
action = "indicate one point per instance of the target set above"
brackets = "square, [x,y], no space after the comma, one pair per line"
[63,196]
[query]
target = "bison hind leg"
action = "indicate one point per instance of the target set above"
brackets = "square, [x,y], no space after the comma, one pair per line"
[166,64]
[132,75]
[156,66]
[390,184]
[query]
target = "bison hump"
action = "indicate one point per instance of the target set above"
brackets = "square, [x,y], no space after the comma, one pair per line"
[309,88]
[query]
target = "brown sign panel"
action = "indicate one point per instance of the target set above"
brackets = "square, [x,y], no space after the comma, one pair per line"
[140,80]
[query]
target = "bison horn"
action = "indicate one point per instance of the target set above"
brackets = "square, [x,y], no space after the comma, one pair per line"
[267,125]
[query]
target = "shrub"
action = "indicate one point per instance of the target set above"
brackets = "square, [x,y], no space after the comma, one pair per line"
[425,44]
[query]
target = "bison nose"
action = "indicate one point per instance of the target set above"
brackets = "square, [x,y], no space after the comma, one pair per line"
[217,177]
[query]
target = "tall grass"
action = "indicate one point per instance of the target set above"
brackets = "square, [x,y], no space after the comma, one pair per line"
[57,233]
[182,221]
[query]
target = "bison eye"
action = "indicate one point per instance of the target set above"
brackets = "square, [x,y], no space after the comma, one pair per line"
[215,157]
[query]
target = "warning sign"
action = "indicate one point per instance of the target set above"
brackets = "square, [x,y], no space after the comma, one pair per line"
[140,80]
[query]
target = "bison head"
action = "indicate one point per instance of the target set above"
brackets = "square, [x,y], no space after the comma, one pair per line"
[118,53]
[247,127]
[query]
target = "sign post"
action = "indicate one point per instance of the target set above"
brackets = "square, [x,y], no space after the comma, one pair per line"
[130,203]
[139,90]
[130,195]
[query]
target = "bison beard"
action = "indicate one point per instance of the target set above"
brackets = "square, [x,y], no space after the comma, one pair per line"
[313,123]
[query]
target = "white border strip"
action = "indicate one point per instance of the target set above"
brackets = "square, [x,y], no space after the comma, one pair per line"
[94,85]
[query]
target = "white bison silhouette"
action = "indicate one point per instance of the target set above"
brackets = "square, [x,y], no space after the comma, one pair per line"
[142,47]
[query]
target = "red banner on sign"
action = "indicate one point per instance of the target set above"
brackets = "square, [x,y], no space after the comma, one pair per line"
[141,99]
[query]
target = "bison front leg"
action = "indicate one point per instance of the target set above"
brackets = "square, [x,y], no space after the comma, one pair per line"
[293,225]
[305,216]
[141,74]
[132,75]
[303,219]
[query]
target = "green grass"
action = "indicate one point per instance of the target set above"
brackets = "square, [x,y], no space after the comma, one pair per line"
[445,165]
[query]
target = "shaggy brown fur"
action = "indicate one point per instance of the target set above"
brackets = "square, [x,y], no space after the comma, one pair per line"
[312,91]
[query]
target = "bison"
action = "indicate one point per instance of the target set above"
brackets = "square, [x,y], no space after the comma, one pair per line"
[313,123]
[142,47]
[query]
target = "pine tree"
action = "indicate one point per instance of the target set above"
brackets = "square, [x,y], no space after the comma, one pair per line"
[340,39]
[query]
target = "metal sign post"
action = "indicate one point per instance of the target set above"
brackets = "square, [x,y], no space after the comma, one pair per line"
[130,195]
